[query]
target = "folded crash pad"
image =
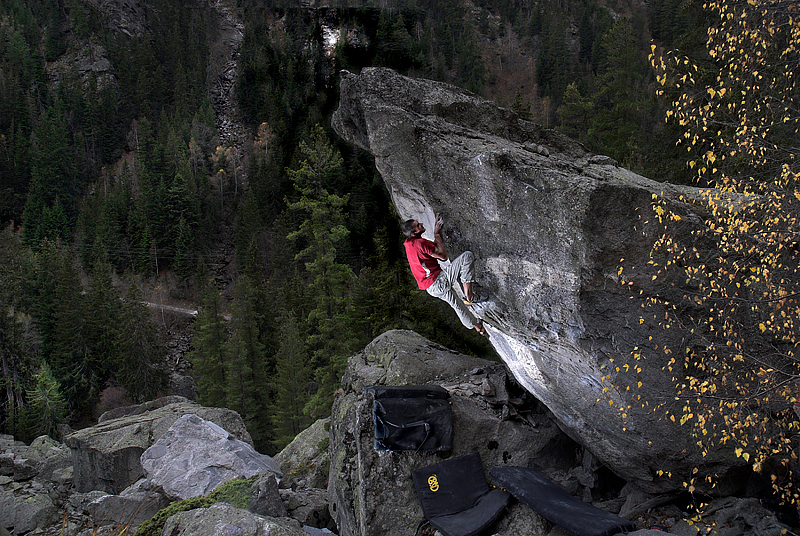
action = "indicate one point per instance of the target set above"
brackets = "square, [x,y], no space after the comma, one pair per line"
[555,504]
[455,497]
[412,417]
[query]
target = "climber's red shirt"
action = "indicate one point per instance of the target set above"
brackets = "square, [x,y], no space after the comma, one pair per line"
[424,267]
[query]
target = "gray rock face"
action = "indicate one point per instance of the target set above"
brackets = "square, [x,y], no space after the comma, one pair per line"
[266,499]
[371,492]
[25,503]
[304,462]
[135,505]
[309,506]
[25,513]
[223,519]
[106,456]
[549,223]
[195,456]
[182,385]
[129,18]
[53,458]
[43,457]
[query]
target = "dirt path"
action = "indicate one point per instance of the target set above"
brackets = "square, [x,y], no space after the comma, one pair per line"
[172,308]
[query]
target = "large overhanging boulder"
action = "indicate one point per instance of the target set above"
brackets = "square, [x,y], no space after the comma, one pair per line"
[549,223]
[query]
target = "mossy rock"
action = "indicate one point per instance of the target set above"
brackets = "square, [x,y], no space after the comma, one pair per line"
[304,461]
[237,492]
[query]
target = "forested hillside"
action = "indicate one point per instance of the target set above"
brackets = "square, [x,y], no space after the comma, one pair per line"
[115,179]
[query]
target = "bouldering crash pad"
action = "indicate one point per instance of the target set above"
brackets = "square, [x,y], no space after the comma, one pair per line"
[555,504]
[455,497]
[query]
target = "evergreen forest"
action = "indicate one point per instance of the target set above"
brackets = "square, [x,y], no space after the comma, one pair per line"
[116,181]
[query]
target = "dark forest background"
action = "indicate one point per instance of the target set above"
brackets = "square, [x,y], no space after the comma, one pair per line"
[115,186]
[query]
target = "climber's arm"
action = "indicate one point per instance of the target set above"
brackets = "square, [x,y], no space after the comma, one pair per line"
[439,251]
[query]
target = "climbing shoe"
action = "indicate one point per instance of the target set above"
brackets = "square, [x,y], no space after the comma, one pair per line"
[477,297]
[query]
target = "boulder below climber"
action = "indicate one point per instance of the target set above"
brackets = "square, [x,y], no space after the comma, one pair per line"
[372,492]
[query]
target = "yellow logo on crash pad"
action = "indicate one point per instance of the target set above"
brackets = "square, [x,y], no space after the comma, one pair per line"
[433,482]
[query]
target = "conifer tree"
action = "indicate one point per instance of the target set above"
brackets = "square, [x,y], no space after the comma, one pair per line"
[139,366]
[141,240]
[19,354]
[293,373]
[382,293]
[46,406]
[19,340]
[65,347]
[246,368]
[575,113]
[102,318]
[182,217]
[53,176]
[52,224]
[469,61]
[620,100]
[248,225]
[395,44]
[184,242]
[329,279]
[208,355]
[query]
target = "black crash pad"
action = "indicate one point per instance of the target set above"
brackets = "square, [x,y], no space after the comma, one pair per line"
[555,504]
[412,417]
[456,498]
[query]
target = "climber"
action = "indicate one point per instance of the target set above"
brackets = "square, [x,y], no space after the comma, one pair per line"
[424,256]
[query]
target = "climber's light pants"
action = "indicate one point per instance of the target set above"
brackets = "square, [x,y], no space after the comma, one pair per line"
[460,268]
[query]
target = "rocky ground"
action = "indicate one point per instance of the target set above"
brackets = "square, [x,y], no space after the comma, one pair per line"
[142,465]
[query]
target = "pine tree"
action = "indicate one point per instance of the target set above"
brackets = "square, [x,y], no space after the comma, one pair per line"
[575,113]
[248,225]
[184,245]
[139,366]
[555,64]
[470,68]
[53,175]
[246,367]
[46,408]
[620,102]
[19,340]
[376,296]
[182,216]
[102,319]
[53,224]
[330,280]
[65,346]
[395,45]
[208,355]
[15,170]
[291,380]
